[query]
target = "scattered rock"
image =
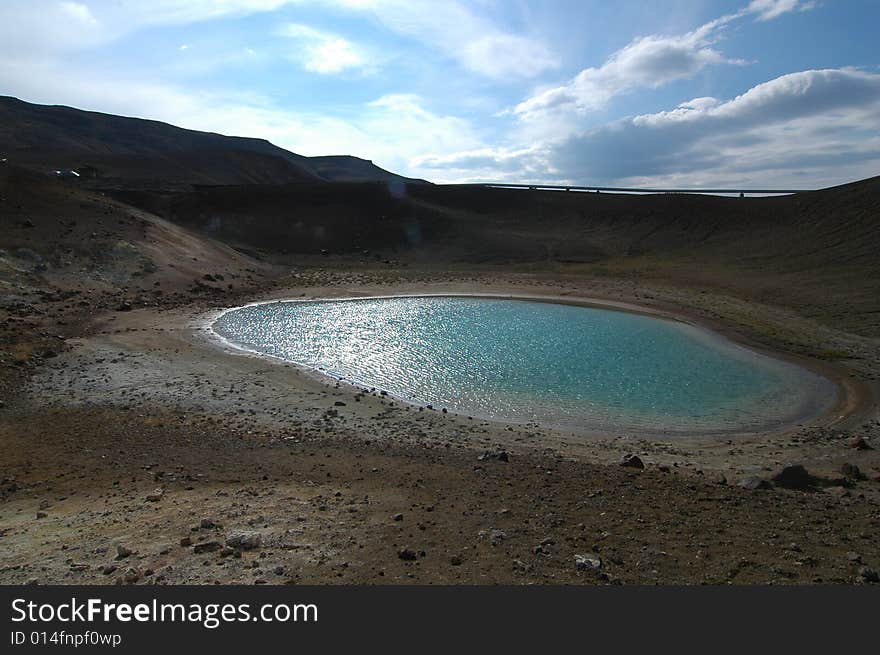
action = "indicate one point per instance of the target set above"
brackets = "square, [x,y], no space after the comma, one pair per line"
[407,555]
[186,541]
[793,476]
[398,517]
[494,536]
[155,496]
[851,471]
[867,574]
[207,547]
[244,540]
[632,461]
[859,443]
[588,562]
[122,552]
[495,455]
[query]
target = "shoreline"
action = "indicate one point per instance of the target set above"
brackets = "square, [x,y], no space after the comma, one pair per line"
[144,404]
[851,399]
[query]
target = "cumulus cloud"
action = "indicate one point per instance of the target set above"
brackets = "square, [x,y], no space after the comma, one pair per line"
[647,62]
[790,129]
[324,52]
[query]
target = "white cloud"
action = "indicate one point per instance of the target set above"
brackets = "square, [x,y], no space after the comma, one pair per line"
[809,128]
[324,52]
[456,30]
[77,12]
[647,62]
[770,9]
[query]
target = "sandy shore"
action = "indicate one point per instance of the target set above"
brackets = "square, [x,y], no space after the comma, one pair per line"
[134,454]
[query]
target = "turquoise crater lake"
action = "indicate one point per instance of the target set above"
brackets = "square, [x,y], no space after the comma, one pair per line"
[580,368]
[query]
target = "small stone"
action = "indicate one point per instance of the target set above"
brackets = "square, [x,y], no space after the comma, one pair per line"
[186,541]
[278,570]
[207,547]
[407,555]
[632,461]
[851,471]
[495,455]
[122,551]
[107,569]
[496,536]
[156,496]
[855,558]
[131,576]
[41,515]
[207,524]
[244,540]
[339,403]
[455,560]
[398,517]
[859,443]
[868,574]
[588,562]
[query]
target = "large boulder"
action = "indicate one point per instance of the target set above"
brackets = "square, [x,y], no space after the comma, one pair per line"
[793,476]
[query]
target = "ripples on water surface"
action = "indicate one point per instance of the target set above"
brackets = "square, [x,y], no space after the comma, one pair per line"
[574,367]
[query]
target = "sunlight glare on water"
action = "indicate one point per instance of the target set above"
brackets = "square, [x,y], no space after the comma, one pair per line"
[578,368]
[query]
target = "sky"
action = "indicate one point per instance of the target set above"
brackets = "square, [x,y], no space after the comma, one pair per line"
[674,93]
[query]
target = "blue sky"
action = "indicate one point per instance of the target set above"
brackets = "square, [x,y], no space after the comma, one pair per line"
[782,93]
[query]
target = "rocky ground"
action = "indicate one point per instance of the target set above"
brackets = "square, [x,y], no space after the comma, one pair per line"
[137,451]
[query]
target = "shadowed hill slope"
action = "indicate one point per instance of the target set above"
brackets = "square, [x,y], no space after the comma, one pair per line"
[120,150]
[72,239]
[814,252]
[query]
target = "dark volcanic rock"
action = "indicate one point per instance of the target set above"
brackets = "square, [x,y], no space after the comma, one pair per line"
[496,455]
[859,443]
[793,476]
[588,562]
[868,574]
[207,547]
[632,461]
[407,555]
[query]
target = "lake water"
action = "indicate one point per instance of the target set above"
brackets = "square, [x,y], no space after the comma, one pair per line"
[578,368]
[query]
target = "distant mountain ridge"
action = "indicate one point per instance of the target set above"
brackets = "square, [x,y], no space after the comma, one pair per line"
[51,137]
